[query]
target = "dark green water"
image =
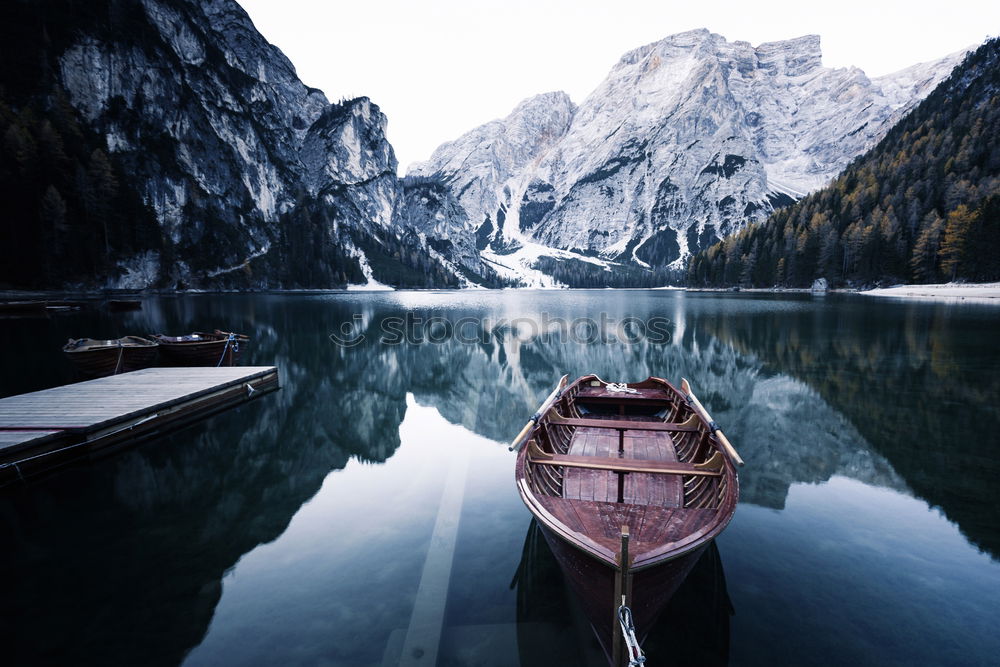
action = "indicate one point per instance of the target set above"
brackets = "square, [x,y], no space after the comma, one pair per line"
[295,530]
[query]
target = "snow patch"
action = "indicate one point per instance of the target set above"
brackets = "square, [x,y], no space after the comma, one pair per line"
[965,292]
[371,285]
[236,267]
[140,272]
[520,264]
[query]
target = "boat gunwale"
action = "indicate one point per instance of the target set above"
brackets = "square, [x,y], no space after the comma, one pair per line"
[658,554]
[208,339]
[106,344]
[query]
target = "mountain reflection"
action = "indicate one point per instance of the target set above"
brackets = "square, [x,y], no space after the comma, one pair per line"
[784,429]
[921,389]
[806,390]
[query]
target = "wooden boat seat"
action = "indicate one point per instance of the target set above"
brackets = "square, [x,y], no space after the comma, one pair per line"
[590,393]
[710,468]
[624,424]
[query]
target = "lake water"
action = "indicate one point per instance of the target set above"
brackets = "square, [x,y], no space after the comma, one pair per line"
[371,500]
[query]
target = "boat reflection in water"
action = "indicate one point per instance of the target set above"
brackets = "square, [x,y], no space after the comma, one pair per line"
[552,628]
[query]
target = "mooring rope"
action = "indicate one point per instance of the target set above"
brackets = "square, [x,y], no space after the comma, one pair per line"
[635,656]
[118,364]
[620,388]
[236,347]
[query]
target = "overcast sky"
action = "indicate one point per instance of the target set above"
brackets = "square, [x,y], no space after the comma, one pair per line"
[438,68]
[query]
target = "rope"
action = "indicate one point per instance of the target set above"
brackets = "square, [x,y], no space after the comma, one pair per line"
[620,388]
[231,338]
[118,365]
[635,656]
[15,466]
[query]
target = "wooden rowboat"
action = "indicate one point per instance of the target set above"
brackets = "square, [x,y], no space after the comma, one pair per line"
[629,484]
[99,358]
[219,348]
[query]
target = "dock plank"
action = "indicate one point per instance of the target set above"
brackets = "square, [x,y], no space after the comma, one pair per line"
[90,415]
[89,404]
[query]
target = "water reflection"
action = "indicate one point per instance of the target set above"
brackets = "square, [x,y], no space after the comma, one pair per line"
[552,630]
[919,382]
[788,433]
[125,558]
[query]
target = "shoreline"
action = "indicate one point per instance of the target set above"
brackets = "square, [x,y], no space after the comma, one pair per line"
[985,292]
[967,292]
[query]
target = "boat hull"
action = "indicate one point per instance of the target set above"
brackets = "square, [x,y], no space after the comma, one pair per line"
[212,353]
[23,309]
[216,352]
[594,584]
[104,361]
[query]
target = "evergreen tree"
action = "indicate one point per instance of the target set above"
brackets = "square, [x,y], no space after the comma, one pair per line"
[99,196]
[983,254]
[916,202]
[923,263]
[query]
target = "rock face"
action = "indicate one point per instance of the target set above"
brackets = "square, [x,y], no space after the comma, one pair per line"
[686,140]
[462,195]
[255,178]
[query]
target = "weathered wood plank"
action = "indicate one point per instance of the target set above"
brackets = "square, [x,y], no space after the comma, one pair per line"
[75,420]
[652,489]
[88,404]
[624,465]
[623,424]
[583,484]
[640,394]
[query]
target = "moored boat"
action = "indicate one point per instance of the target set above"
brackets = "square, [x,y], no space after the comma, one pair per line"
[219,348]
[97,358]
[23,308]
[629,483]
[119,305]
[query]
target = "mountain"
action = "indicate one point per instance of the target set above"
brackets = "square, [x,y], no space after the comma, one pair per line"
[252,178]
[476,175]
[922,205]
[686,140]
[166,143]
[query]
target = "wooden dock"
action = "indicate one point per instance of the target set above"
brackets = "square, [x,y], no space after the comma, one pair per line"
[45,429]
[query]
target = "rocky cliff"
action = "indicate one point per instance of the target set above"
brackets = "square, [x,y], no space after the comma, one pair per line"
[255,179]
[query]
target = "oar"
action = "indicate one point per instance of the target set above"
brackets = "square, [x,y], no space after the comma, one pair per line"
[542,409]
[693,400]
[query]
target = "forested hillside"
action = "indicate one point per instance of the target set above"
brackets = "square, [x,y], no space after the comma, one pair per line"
[67,213]
[922,206]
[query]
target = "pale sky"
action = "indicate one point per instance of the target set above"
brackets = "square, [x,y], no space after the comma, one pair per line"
[438,68]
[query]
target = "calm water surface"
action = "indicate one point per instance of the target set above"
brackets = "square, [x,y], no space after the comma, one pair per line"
[298,529]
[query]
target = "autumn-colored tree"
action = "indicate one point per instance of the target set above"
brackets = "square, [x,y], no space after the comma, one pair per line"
[953,245]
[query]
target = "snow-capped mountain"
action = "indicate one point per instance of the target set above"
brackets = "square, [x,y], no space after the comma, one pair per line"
[686,140]
[468,206]
[255,178]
